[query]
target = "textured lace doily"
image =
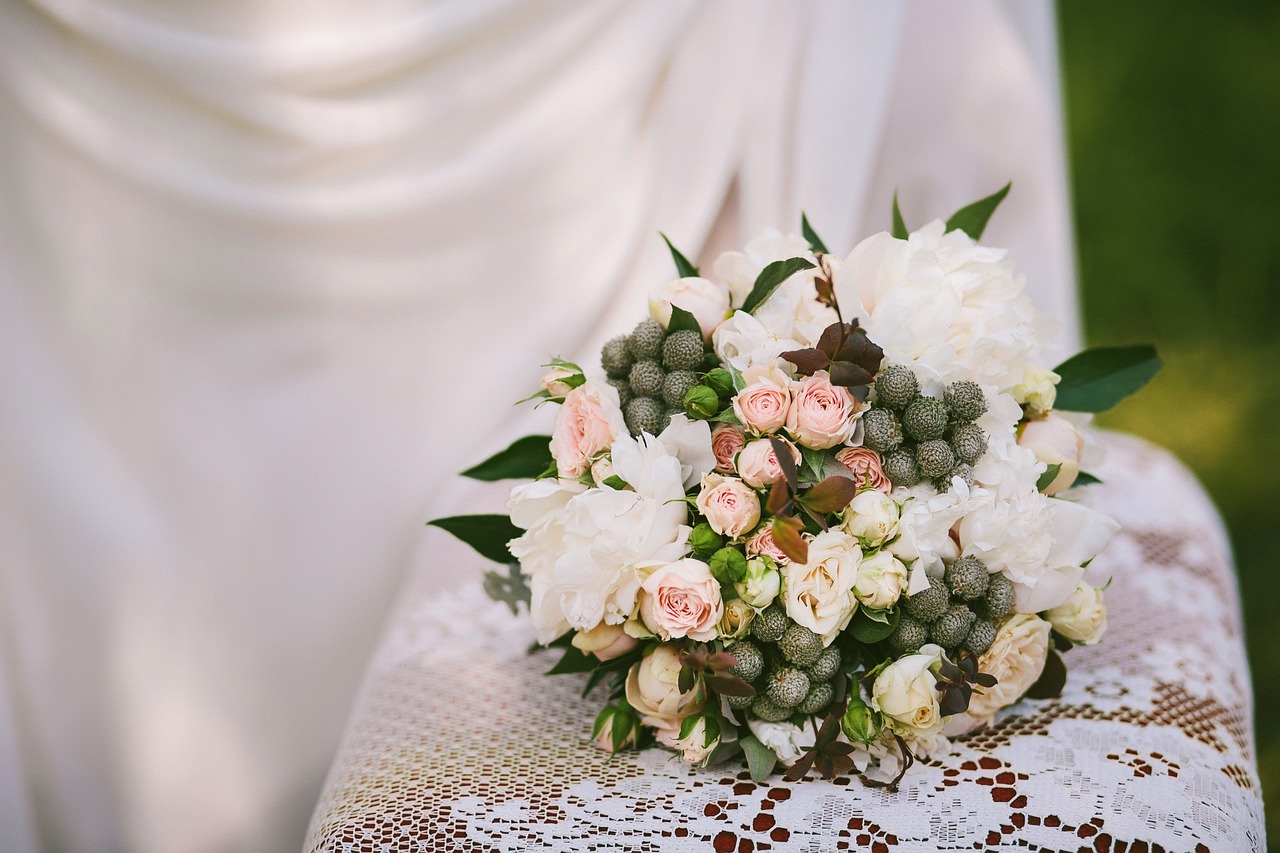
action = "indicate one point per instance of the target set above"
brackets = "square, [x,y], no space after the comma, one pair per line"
[459,743]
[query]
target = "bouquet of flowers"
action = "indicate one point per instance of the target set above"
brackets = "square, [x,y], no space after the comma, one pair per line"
[820,511]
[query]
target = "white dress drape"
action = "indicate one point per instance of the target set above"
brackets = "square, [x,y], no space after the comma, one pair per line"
[271,271]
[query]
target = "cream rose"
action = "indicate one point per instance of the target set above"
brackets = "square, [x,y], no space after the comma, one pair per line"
[602,469]
[736,620]
[587,424]
[872,517]
[906,691]
[730,505]
[560,380]
[821,415]
[726,441]
[758,464]
[1038,390]
[1082,618]
[707,301]
[864,464]
[1016,659]
[763,404]
[763,544]
[881,580]
[653,689]
[604,641]
[819,593]
[787,740]
[1055,441]
[682,599]
[761,584]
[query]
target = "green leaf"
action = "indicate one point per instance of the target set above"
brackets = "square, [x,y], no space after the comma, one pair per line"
[1050,474]
[1098,378]
[972,218]
[488,534]
[508,587]
[722,753]
[573,660]
[815,242]
[760,759]
[769,279]
[813,469]
[683,267]
[1084,478]
[881,616]
[868,630]
[899,231]
[526,458]
[1052,679]
[682,319]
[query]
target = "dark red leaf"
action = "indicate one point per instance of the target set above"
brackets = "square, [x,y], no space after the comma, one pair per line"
[786,532]
[807,360]
[801,767]
[831,339]
[826,293]
[730,685]
[779,494]
[831,495]
[1051,681]
[849,374]
[721,661]
[786,461]
[985,679]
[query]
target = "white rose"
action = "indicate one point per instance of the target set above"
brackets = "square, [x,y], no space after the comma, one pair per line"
[1038,390]
[554,381]
[707,301]
[730,505]
[787,740]
[1055,441]
[1016,659]
[906,691]
[760,586]
[881,579]
[819,593]
[653,689]
[872,517]
[1082,618]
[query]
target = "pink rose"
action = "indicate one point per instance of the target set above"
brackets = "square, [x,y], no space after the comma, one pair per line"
[726,441]
[758,464]
[821,415]
[729,504]
[682,599]
[763,545]
[604,641]
[864,464]
[763,404]
[588,423]
[707,301]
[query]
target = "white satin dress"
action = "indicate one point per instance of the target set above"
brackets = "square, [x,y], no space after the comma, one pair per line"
[270,272]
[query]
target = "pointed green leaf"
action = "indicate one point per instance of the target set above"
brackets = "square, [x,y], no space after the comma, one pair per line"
[526,458]
[868,630]
[573,660]
[1052,679]
[1050,474]
[972,218]
[683,267]
[760,759]
[1084,478]
[682,319]
[899,231]
[488,534]
[769,279]
[1098,378]
[815,242]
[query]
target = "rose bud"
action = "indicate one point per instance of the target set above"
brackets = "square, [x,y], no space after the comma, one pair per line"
[1055,441]
[701,401]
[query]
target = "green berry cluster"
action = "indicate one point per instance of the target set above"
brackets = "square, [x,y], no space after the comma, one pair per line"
[652,371]
[958,612]
[924,438]
[787,665]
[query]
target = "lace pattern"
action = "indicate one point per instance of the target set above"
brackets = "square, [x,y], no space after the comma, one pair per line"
[459,743]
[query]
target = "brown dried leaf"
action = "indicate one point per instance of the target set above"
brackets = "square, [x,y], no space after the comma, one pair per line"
[831,495]
[786,532]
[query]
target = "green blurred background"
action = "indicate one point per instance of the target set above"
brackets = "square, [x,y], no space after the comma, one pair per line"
[1173,114]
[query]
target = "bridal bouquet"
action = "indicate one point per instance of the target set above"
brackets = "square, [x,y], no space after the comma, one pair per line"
[815,510]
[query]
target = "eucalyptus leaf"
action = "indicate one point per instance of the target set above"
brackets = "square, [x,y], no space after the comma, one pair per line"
[899,231]
[682,320]
[525,458]
[760,759]
[508,587]
[1098,378]
[488,534]
[726,750]
[769,279]
[972,218]
[815,242]
[683,267]
[1050,474]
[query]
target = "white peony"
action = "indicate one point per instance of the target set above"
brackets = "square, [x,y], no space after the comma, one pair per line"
[924,530]
[906,692]
[787,740]
[1016,659]
[690,442]
[940,302]
[819,593]
[739,270]
[1082,618]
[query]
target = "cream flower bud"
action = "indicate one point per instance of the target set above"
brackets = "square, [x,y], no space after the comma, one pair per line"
[906,692]
[556,381]
[736,620]
[761,584]
[1037,391]
[872,517]
[881,580]
[707,301]
[1082,618]
[700,741]
[1055,441]
[1016,658]
[604,641]
[653,689]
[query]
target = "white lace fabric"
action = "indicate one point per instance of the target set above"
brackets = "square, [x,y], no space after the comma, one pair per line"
[458,742]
